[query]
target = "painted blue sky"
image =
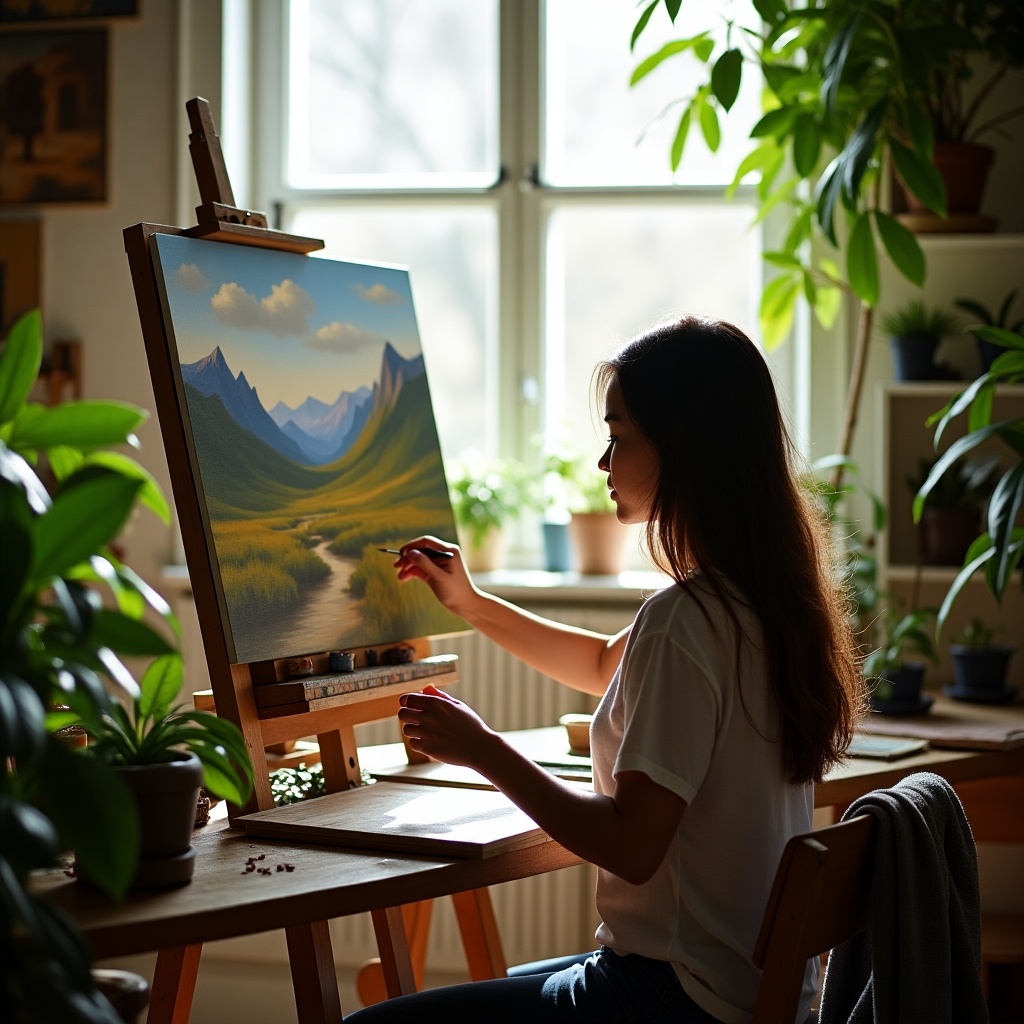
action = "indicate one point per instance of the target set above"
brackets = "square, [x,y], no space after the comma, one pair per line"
[296,325]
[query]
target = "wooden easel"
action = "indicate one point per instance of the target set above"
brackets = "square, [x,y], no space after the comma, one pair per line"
[309,945]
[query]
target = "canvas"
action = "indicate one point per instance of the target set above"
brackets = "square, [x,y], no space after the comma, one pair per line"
[312,437]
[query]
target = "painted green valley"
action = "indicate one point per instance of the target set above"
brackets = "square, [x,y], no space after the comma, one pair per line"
[314,442]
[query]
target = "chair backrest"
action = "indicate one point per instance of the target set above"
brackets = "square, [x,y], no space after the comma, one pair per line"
[819,899]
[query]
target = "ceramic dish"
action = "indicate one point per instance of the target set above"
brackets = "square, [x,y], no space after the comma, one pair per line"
[975,696]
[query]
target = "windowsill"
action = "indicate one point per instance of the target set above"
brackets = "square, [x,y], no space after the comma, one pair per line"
[532,585]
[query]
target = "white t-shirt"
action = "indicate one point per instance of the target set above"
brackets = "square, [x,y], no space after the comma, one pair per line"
[673,712]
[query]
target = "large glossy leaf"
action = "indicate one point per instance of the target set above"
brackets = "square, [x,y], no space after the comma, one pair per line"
[859,149]
[756,160]
[150,493]
[775,123]
[81,521]
[959,447]
[725,77]
[17,471]
[862,262]
[22,720]
[127,635]
[834,60]
[827,193]
[16,534]
[920,176]
[86,424]
[1003,507]
[19,363]
[95,814]
[27,836]
[903,248]
[160,684]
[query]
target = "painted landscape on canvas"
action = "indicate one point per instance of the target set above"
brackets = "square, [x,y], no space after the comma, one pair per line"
[315,443]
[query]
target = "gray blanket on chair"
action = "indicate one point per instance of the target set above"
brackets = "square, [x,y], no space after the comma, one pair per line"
[920,957]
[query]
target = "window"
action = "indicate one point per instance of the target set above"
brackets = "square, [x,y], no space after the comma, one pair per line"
[493,148]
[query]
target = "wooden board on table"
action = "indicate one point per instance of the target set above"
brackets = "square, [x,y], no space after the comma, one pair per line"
[956,725]
[416,819]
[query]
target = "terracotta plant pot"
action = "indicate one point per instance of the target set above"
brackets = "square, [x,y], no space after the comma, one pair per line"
[964,168]
[485,555]
[599,543]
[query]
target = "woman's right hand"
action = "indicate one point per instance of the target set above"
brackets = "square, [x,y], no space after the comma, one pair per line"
[447,578]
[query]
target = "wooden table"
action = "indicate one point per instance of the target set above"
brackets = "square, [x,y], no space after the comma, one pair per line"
[224,901]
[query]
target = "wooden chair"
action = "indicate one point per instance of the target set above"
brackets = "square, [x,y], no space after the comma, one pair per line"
[819,899]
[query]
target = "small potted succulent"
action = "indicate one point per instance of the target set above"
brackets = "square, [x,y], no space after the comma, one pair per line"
[895,679]
[915,330]
[952,512]
[979,665]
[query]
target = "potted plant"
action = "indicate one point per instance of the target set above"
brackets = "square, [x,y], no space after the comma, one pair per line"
[951,517]
[987,351]
[999,549]
[979,665]
[915,330]
[61,644]
[486,494]
[164,753]
[896,681]
[845,91]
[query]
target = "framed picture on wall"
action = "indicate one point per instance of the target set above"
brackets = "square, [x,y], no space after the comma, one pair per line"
[26,12]
[20,272]
[53,116]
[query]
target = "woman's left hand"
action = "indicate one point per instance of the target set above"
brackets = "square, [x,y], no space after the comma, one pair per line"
[436,724]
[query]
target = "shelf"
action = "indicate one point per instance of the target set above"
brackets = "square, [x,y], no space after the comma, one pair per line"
[935,574]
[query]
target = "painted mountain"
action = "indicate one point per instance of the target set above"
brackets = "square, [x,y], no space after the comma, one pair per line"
[314,443]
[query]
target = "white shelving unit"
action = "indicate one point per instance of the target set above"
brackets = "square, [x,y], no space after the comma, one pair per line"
[904,441]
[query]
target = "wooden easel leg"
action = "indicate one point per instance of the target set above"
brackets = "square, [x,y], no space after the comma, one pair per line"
[314,980]
[480,937]
[339,759]
[174,985]
[370,983]
[389,927]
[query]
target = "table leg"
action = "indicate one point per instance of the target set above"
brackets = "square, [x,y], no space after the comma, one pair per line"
[393,946]
[174,985]
[370,983]
[314,979]
[480,936]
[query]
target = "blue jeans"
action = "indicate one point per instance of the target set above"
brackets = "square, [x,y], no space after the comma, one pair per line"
[599,988]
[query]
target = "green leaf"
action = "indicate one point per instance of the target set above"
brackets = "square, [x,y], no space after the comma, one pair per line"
[775,123]
[160,684]
[834,60]
[82,425]
[959,447]
[646,66]
[862,262]
[806,145]
[784,260]
[859,149]
[919,129]
[1003,507]
[709,124]
[16,531]
[725,77]
[827,193]
[19,363]
[778,302]
[81,521]
[96,816]
[642,24]
[126,635]
[22,720]
[755,160]
[977,555]
[672,6]
[903,248]
[680,139]
[150,493]
[920,176]
[771,11]
[828,301]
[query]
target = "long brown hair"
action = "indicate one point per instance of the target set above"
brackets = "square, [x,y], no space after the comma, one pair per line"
[728,502]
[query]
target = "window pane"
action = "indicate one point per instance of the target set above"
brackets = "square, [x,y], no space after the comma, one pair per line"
[451,253]
[593,119]
[613,271]
[390,93]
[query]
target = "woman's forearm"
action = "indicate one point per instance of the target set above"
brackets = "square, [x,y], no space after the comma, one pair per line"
[580,658]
